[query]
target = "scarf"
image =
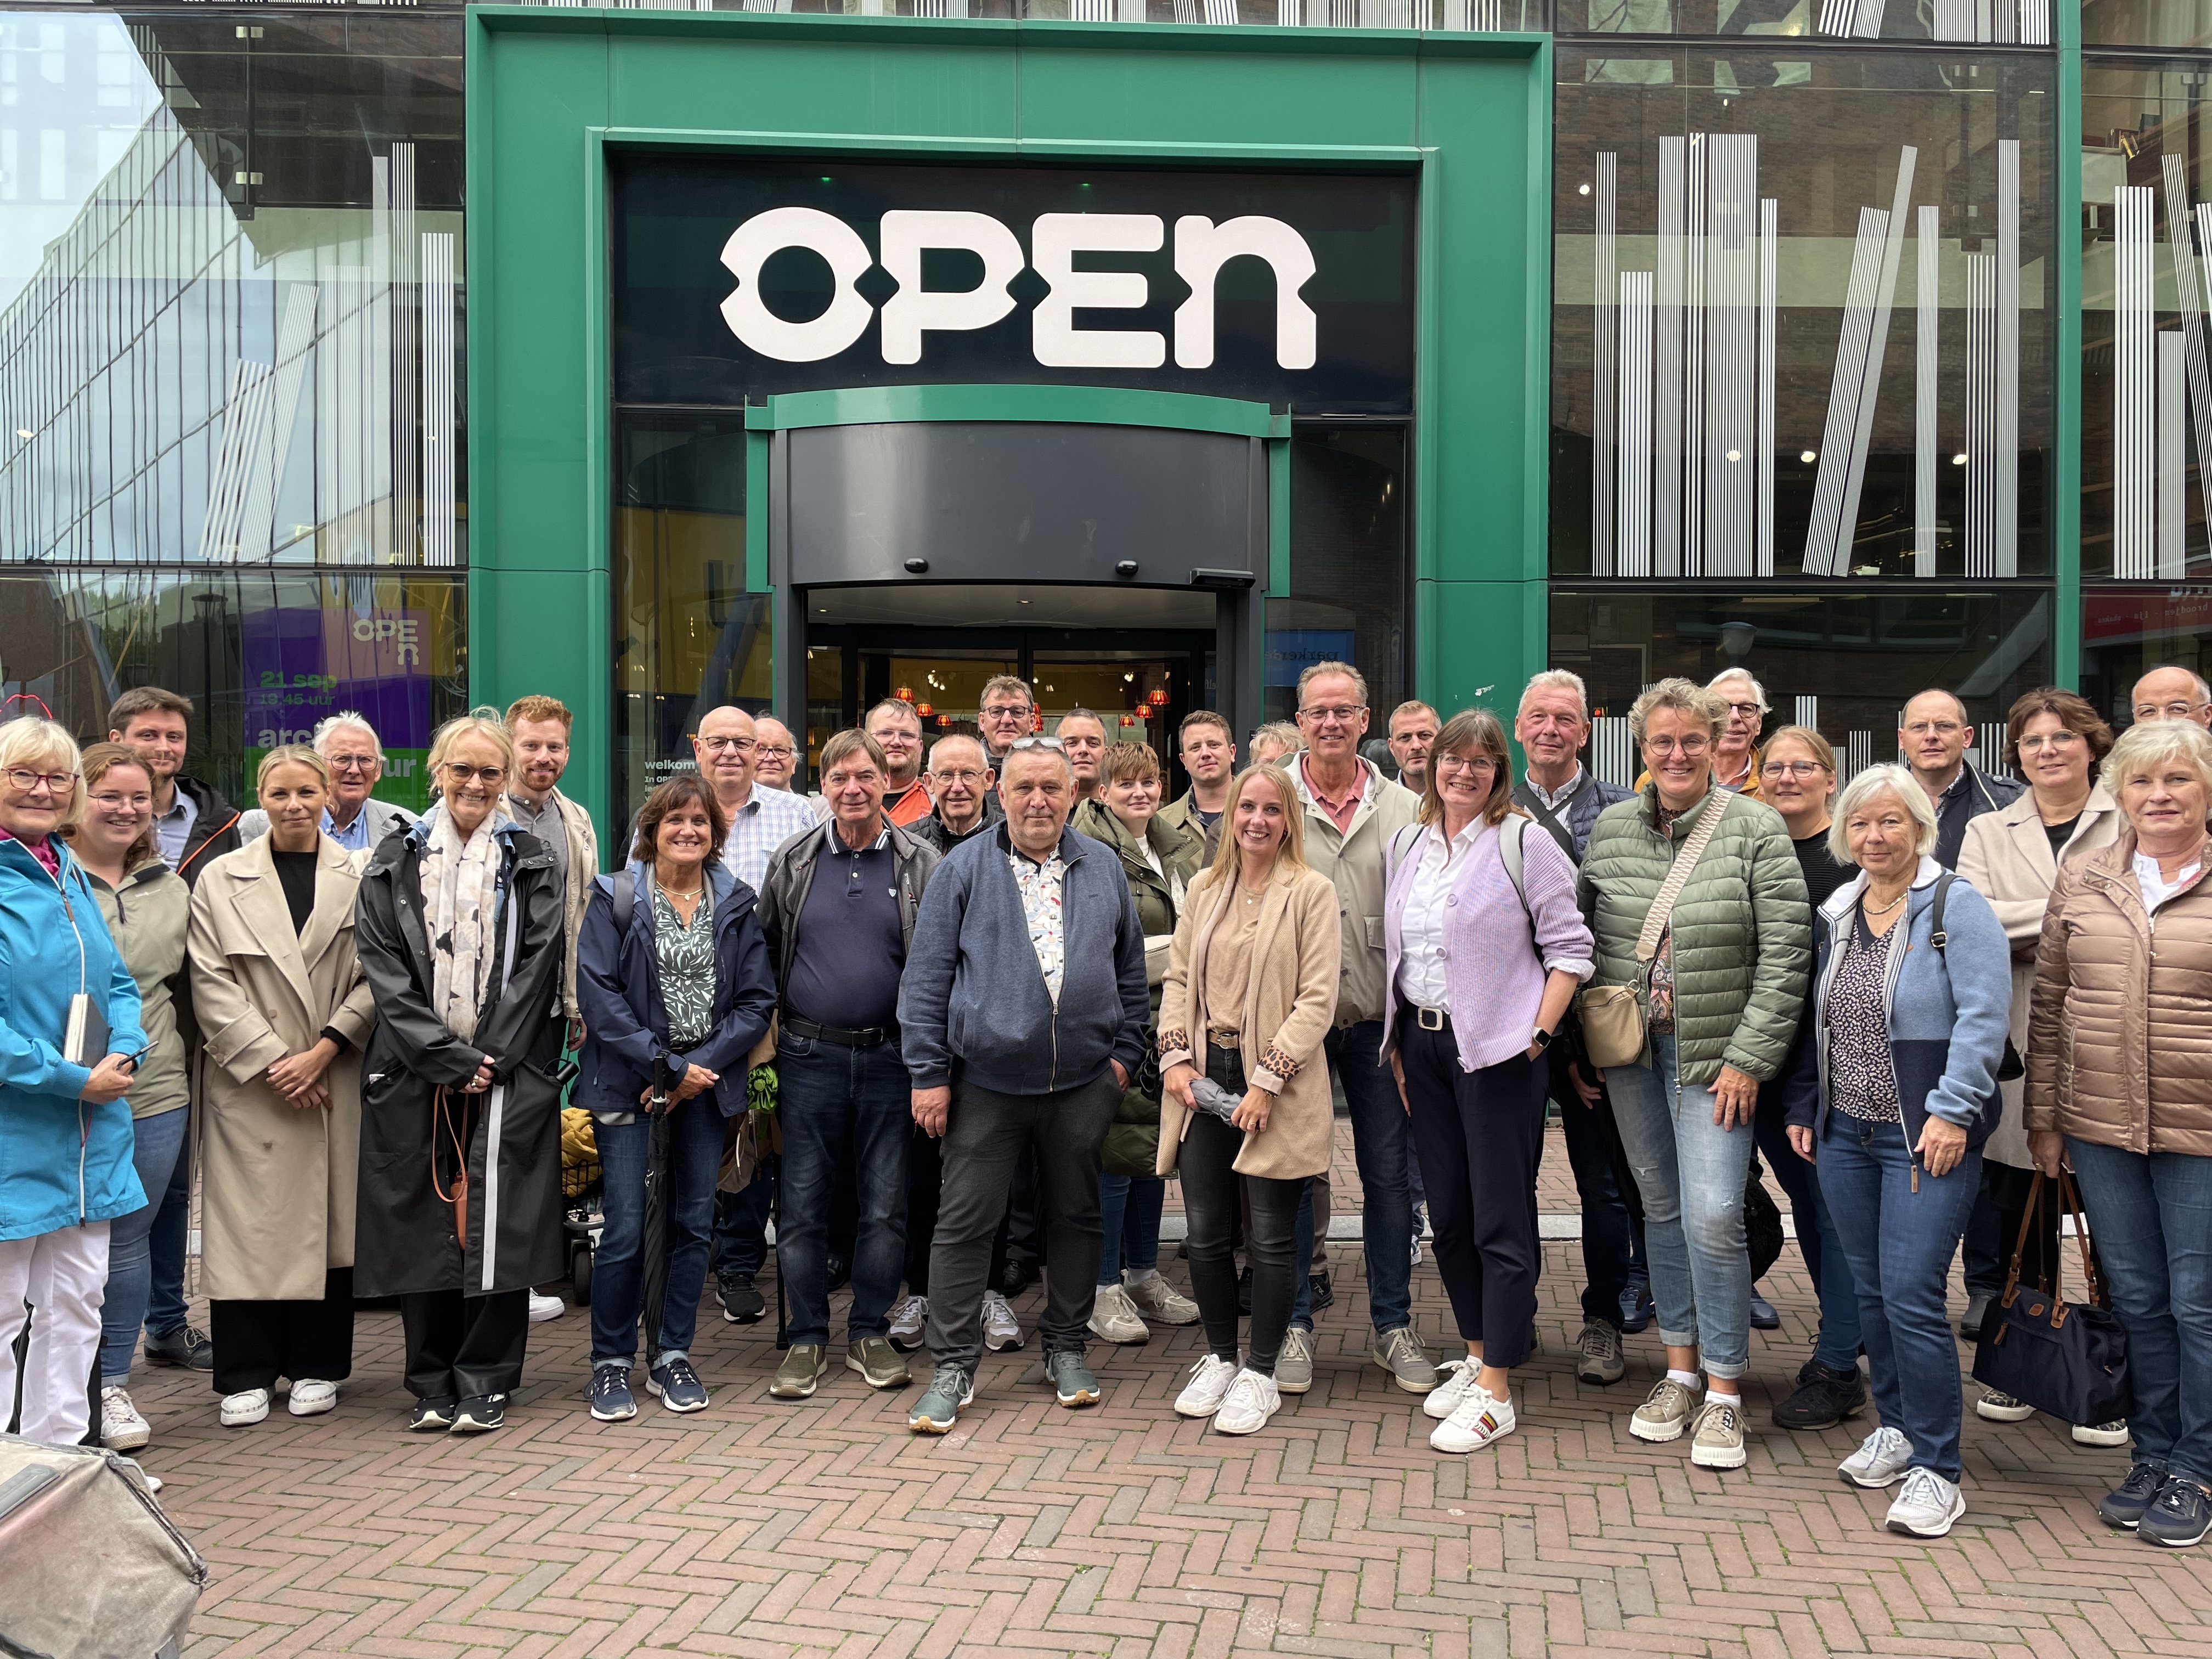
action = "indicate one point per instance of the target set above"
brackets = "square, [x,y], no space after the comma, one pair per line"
[460,904]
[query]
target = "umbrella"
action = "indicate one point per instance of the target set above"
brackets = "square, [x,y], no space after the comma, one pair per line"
[654,1245]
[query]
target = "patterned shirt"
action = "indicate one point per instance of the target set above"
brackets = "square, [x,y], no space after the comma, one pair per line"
[768,818]
[686,959]
[1861,1081]
[1039,885]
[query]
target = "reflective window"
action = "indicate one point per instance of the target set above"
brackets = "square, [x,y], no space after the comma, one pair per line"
[2012,22]
[2147,22]
[1351,596]
[1800,312]
[2126,631]
[230,287]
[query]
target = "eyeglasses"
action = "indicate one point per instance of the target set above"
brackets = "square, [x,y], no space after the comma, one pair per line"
[1938,728]
[774,751]
[1746,709]
[948,779]
[1690,746]
[2169,711]
[1006,711]
[109,801]
[2054,741]
[26,780]
[717,746]
[462,772]
[1465,762]
[1341,713]
[352,763]
[1803,768]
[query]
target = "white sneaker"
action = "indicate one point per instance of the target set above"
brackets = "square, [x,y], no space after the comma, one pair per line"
[1481,1418]
[1159,1301]
[1114,1318]
[122,1428]
[1455,1381]
[542,1308]
[311,1398]
[1881,1460]
[1927,1506]
[1001,1330]
[909,1320]
[1209,1380]
[2101,1434]
[240,1409]
[1997,1407]
[1251,1401]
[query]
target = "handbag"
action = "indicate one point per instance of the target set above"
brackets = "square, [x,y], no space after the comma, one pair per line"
[2068,1358]
[1612,1015]
[1762,1223]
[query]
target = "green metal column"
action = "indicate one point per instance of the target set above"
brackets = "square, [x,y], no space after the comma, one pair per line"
[2066,371]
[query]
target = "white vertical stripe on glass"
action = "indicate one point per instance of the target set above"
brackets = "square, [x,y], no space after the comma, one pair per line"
[1991,741]
[2134,417]
[1826,536]
[1693,357]
[1605,291]
[2035,22]
[1866,23]
[1666,363]
[1981,412]
[1927,365]
[244,418]
[295,336]
[1807,713]
[2189,293]
[1612,751]
[1634,498]
[406,506]
[2172,457]
[1731,350]
[2005,533]
[1858,754]
[441,414]
[1769,243]
[1847,517]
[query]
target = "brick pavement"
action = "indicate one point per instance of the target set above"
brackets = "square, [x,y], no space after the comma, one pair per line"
[758,1529]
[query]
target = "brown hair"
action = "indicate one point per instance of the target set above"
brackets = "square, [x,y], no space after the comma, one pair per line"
[1472,728]
[1823,750]
[684,789]
[145,700]
[1129,762]
[2075,713]
[536,708]
[1011,685]
[1224,867]
[97,762]
[1205,717]
[843,745]
[898,706]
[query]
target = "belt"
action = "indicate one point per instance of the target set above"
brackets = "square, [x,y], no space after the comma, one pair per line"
[1229,1041]
[1429,1019]
[871,1037]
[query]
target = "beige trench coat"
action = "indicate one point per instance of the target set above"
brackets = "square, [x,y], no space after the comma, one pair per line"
[2006,857]
[277,1185]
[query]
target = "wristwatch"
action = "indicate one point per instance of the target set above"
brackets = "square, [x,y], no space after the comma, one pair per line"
[1542,1039]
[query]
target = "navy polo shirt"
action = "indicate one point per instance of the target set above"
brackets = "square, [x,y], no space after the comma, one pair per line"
[848,954]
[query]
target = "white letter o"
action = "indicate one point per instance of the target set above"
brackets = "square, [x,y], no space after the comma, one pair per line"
[765,233]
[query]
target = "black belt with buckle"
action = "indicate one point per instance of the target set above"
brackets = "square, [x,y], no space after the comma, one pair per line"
[871,1037]
[1429,1019]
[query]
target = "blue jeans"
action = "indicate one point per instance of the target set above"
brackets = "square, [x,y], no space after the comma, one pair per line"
[841,1107]
[1692,1173]
[157,1142]
[166,1244]
[1826,1264]
[1129,1210]
[695,1157]
[1900,1244]
[2150,1216]
[1379,1140]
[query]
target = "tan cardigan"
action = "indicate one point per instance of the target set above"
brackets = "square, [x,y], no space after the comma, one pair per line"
[1289,1002]
[277,1199]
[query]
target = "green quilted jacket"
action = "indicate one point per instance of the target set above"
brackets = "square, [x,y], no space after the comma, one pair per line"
[1741,929]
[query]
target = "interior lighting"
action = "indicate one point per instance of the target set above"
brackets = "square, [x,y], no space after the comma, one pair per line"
[1808,457]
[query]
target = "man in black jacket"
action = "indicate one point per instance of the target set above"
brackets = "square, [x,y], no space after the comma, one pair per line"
[962,786]
[1934,734]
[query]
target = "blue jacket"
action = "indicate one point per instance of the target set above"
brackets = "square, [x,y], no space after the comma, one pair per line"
[618,986]
[973,999]
[1949,1010]
[62,1159]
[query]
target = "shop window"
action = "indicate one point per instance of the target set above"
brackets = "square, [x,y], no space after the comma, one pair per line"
[1801,313]
[1351,586]
[2146,24]
[2004,22]
[2128,631]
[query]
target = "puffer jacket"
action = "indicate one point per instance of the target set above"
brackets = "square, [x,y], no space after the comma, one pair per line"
[2113,985]
[1742,928]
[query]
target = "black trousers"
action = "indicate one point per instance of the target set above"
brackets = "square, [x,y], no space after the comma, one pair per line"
[459,1347]
[1479,1133]
[1210,1186]
[256,1342]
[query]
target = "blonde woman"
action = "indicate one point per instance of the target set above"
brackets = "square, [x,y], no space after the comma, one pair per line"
[279,992]
[1249,995]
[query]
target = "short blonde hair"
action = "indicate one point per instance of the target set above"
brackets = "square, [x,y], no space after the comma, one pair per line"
[1293,849]
[292,753]
[2146,744]
[1897,780]
[36,744]
[1699,702]
[482,722]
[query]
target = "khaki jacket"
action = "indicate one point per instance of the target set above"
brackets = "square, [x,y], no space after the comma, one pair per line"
[277,1184]
[2112,990]
[146,917]
[2007,858]
[1290,1003]
[1352,860]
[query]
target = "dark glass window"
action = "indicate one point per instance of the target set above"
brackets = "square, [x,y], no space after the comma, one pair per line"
[2147,23]
[2127,631]
[2000,23]
[1351,596]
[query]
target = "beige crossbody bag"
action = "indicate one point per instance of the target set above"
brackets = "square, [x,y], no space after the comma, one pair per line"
[1612,1015]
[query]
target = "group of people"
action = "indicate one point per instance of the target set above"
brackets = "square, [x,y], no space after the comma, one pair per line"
[1008,990]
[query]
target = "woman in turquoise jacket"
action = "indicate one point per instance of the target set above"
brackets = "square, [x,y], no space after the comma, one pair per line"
[65,1135]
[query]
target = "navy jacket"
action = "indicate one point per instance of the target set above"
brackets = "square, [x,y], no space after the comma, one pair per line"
[618,986]
[973,1001]
[1591,798]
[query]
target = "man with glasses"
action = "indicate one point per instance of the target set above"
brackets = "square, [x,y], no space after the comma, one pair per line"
[354,818]
[1008,711]
[2171,692]
[1209,757]
[1351,813]
[896,729]
[1934,734]
[966,803]
[776,755]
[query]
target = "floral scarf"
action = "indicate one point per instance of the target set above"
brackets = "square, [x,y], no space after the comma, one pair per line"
[460,907]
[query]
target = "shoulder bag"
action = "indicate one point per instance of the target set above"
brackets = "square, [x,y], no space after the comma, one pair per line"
[1612,1015]
[2068,1358]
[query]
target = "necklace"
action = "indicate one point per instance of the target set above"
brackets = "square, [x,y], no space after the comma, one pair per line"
[1872,911]
[693,894]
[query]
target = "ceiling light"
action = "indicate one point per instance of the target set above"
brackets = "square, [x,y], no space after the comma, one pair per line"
[1958,460]
[23,432]
[1582,191]
[1735,455]
[1808,457]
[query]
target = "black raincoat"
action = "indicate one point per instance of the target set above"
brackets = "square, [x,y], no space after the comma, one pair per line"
[404,1238]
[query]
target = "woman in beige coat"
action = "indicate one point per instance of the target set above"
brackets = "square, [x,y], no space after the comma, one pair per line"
[284,1011]
[1250,993]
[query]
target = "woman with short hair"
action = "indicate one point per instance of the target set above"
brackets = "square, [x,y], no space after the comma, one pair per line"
[1896,1091]
[279,994]
[66,1168]
[2118,1055]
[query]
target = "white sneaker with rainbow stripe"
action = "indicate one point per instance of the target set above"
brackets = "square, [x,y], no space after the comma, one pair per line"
[1479,1418]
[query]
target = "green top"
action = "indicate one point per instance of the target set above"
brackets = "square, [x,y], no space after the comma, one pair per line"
[147,917]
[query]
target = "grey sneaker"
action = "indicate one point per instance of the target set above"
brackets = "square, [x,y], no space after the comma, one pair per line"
[1400,1353]
[1072,1382]
[1881,1460]
[799,1375]
[939,1408]
[1716,1441]
[880,1364]
[1601,1360]
[1927,1506]
[1294,1364]
[1159,1301]
[1665,1412]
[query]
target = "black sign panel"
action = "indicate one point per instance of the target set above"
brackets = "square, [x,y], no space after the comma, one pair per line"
[736,277]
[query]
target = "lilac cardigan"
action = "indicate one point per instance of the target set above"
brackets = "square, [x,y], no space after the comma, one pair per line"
[1499,963]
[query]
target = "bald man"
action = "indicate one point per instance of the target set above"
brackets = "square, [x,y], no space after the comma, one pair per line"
[2170,692]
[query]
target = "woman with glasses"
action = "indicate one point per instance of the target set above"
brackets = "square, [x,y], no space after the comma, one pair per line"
[1720,992]
[2056,741]
[66,1166]
[277,989]
[1482,959]
[459,932]
[147,908]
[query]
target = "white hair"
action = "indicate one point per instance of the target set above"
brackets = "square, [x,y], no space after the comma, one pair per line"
[1557,680]
[1747,678]
[1876,780]
[345,719]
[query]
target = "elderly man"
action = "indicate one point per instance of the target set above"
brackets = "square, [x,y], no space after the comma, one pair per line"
[354,818]
[897,729]
[1083,734]
[960,779]
[1934,734]
[1208,750]
[1413,734]
[1031,935]
[837,908]
[776,754]
[1351,811]
[1735,755]
[1006,710]
[2171,692]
